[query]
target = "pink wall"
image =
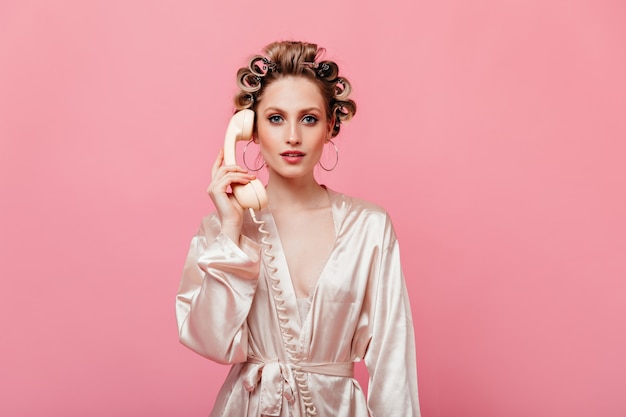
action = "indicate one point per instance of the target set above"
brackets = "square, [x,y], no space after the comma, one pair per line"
[493,132]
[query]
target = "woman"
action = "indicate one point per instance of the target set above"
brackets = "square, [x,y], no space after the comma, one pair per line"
[324,288]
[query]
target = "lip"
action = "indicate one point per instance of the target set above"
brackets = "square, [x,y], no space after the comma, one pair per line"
[292,152]
[292,156]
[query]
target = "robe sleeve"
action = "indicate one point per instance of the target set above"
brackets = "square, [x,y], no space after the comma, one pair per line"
[390,355]
[215,294]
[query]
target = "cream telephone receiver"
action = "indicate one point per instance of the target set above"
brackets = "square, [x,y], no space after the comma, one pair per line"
[241,126]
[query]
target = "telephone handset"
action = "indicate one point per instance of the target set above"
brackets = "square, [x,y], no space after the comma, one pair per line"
[241,126]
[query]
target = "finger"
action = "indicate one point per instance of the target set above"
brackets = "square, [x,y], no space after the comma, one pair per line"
[233,168]
[224,170]
[233,178]
[240,178]
[221,182]
[217,163]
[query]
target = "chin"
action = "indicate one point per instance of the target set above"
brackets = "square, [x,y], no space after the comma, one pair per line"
[293,172]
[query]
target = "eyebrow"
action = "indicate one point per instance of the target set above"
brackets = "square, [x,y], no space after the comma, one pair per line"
[307,110]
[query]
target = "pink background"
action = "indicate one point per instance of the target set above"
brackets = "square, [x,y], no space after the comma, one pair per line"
[492,131]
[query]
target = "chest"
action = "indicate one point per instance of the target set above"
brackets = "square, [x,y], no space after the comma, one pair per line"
[308,239]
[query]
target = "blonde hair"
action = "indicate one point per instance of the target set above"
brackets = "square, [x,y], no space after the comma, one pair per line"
[298,59]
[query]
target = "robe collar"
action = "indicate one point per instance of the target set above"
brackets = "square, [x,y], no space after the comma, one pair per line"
[277,264]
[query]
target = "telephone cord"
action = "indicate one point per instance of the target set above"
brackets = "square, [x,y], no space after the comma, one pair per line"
[283,320]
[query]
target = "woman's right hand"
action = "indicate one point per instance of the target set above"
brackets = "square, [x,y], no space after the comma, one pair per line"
[229,210]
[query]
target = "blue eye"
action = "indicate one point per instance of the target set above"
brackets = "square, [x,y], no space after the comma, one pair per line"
[275,118]
[308,119]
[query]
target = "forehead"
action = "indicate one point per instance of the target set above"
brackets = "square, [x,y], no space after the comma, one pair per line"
[292,93]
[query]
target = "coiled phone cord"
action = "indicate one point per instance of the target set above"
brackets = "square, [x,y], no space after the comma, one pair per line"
[283,320]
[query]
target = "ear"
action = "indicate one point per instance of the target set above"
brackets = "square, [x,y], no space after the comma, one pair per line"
[329,132]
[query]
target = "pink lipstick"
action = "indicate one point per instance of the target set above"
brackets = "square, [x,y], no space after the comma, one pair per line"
[292,157]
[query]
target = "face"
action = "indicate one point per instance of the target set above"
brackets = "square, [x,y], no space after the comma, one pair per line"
[292,127]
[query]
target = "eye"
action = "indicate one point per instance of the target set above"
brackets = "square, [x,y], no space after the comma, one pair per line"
[275,119]
[309,119]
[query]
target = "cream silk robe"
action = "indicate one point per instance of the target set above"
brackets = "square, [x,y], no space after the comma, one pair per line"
[228,311]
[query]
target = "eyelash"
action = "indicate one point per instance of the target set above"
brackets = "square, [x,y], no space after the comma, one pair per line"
[275,119]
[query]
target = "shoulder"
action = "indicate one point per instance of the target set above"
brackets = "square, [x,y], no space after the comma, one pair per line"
[355,204]
[358,212]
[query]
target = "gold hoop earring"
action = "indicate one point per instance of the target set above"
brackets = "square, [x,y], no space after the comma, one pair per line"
[244,158]
[336,158]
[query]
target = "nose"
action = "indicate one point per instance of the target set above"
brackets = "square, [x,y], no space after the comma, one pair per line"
[294,135]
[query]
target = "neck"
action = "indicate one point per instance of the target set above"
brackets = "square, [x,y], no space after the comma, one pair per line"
[300,193]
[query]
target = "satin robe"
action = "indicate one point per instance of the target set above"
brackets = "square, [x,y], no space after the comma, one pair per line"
[228,311]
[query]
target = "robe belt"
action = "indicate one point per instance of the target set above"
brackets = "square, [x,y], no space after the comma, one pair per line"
[277,380]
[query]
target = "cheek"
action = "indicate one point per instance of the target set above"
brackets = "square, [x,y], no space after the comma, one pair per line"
[269,142]
[265,135]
